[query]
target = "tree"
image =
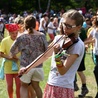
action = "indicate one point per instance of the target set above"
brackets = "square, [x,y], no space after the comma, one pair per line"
[48,5]
[39,4]
[17,6]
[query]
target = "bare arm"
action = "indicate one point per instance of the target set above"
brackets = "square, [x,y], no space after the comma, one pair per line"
[63,66]
[67,64]
[8,56]
[89,40]
[43,25]
[52,28]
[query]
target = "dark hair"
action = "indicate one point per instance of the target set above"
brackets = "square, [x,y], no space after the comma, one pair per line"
[51,18]
[44,15]
[30,23]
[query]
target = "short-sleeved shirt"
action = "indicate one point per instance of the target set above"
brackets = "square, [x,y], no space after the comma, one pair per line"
[40,25]
[50,25]
[94,34]
[30,46]
[67,79]
[5,48]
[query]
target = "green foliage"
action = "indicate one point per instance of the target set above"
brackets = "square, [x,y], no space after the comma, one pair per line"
[18,6]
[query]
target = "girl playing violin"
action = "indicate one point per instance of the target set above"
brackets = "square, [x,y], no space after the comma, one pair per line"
[63,67]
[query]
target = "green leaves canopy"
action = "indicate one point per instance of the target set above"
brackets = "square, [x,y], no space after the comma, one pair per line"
[18,6]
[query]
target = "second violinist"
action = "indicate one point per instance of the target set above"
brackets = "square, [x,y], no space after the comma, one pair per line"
[63,69]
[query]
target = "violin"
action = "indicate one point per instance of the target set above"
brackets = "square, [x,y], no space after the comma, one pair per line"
[68,41]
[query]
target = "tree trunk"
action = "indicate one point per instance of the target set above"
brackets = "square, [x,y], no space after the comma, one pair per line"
[48,5]
[39,5]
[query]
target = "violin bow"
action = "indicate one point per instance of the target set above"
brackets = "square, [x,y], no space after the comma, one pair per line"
[40,58]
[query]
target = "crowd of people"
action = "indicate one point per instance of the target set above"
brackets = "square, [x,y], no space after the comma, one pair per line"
[27,40]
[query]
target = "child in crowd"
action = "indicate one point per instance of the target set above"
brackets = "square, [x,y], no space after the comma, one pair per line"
[10,74]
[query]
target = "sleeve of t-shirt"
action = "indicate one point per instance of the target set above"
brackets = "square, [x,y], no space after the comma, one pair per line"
[77,48]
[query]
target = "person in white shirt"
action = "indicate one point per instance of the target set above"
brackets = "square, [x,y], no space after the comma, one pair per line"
[43,22]
[50,29]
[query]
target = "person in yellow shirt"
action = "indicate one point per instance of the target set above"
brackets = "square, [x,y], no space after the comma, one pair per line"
[10,63]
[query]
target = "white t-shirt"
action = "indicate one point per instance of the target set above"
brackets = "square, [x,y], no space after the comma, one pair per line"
[40,26]
[94,34]
[50,31]
[66,80]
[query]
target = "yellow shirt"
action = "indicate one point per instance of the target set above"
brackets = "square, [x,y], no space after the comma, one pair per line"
[5,48]
[88,33]
[89,30]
